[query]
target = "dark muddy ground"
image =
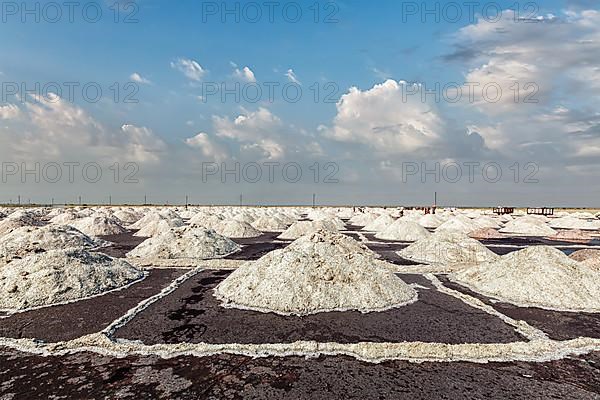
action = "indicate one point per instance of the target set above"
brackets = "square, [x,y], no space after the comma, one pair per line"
[558,325]
[193,314]
[91,376]
[70,321]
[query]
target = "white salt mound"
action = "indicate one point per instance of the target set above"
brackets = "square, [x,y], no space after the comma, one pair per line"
[379,224]
[98,226]
[527,227]
[431,221]
[319,272]
[269,224]
[61,275]
[185,242]
[9,224]
[451,249]
[538,276]
[158,226]
[406,231]
[302,228]
[29,239]
[236,229]
[460,224]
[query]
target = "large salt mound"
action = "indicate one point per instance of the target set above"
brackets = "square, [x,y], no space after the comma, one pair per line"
[209,221]
[458,223]
[302,228]
[236,229]
[61,275]
[527,227]
[27,240]
[9,224]
[379,224]
[319,272]
[538,276]
[99,226]
[574,223]
[431,221]
[363,219]
[158,226]
[186,242]
[269,224]
[406,231]
[126,217]
[585,254]
[449,249]
[64,218]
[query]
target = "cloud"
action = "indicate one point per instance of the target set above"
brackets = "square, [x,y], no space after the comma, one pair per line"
[245,74]
[291,75]
[135,77]
[58,130]
[9,111]
[208,147]
[190,68]
[386,119]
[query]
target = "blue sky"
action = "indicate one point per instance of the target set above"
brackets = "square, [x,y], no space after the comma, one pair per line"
[366,45]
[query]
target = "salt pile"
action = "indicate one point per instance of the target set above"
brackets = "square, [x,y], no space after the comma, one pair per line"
[302,228]
[431,221]
[363,219]
[236,229]
[61,275]
[27,240]
[154,217]
[486,233]
[585,254]
[406,231]
[209,221]
[458,223]
[572,235]
[10,223]
[186,242]
[528,227]
[127,217]
[64,218]
[320,272]
[538,276]
[158,226]
[450,249]
[379,224]
[99,226]
[570,222]
[269,224]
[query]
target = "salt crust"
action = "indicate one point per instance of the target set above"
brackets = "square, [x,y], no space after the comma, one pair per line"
[302,228]
[320,272]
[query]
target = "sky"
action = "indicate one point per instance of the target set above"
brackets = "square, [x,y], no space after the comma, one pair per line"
[485,103]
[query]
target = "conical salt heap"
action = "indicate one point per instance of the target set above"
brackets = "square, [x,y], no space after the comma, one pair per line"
[185,242]
[61,275]
[538,276]
[32,239]
[450,250]
[406,231]
[320,272]
[98,226]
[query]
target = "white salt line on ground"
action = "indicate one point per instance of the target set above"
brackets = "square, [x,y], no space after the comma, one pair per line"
[521,327]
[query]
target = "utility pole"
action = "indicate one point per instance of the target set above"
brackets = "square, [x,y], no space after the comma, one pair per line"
[19,199]
[79,200]
[145,199]
[241,200]
[186,202]
[314,200]
[109,200]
